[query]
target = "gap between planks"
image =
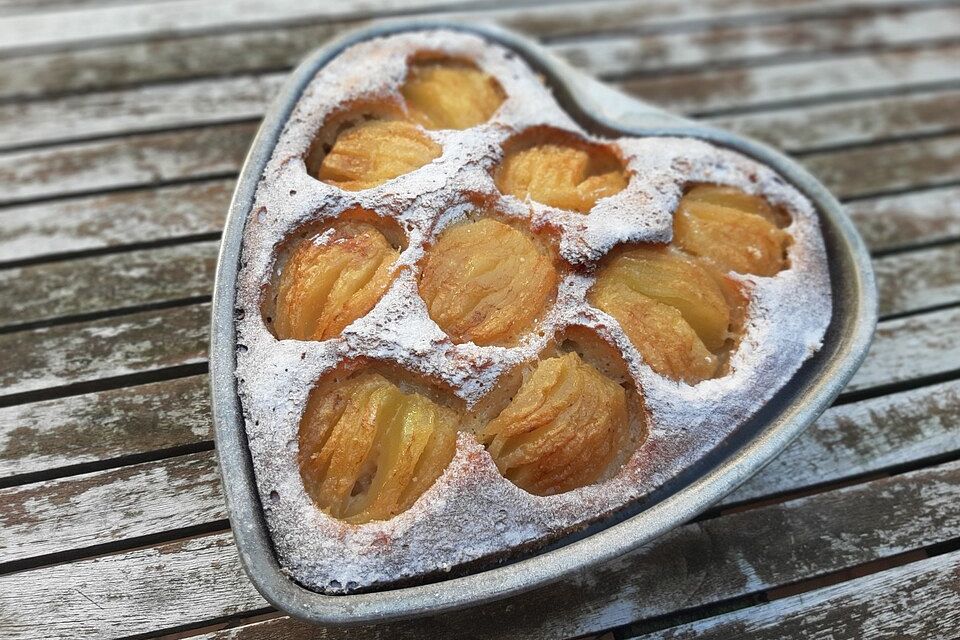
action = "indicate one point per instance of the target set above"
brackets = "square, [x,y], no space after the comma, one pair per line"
[188,583]
[72,30]
[626,50]
[91,117]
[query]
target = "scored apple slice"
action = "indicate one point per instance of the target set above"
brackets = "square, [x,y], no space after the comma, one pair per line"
[563,428]
[375,151]
[566,176]
[450,94]
[677,281]
[667,342]
[485,281]
[368,450]
[732,229]
[331,280]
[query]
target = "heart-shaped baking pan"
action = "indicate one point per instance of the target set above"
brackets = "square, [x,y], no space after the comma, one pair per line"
[474,537]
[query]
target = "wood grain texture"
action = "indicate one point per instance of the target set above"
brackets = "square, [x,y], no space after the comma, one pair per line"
[752,87]
[849,122]
[769,30]
[729,45]
[86,351]
[83,224]
[195,102]
[861,438]
[121,163]
[147,108]
[201,579]
[920,600]
[133,501]
[133,592]
[895,221]
[909,348]
[888,167]
[185,17]
[45,436]
[103,283]
[919,279]
[73,27]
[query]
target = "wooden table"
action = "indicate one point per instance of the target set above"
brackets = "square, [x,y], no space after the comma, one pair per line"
[122,127]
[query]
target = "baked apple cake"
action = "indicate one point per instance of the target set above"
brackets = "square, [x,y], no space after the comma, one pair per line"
[467,327]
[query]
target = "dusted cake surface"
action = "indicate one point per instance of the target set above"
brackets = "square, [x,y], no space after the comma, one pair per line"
[600,228]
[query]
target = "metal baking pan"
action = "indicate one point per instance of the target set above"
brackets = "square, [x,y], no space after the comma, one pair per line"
[605,112]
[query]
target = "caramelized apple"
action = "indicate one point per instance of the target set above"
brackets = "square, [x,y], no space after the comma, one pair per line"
[332,280]
[732,229]
[659,332]
[486,281]
[561,430]
[369,450]
[567,177]
[677,281]
[448,94]
[374,151]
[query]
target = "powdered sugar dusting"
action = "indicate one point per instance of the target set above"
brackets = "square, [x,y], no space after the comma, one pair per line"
[472,512]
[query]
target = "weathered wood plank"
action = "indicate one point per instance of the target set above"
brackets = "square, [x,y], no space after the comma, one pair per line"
[73,353]
[102,283]
[133,501]
[919,279]
[883,168]
[269,49]
[212,100]
[62,29]
[751,87]
[802,129]
[142,109]
[17,7]
[79,224]
[910,348]
[725,45]
[185,17]
[45,436]
[918,600]
[890,222]
[189,582]
[861,438]
[133,161]
[134,592]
